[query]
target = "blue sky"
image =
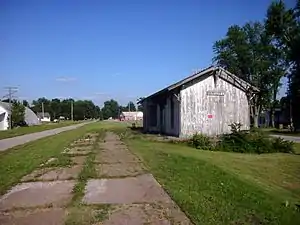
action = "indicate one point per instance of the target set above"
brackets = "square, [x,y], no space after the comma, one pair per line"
[101,49]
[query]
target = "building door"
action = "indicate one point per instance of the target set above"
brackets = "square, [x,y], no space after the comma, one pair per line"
[215,116]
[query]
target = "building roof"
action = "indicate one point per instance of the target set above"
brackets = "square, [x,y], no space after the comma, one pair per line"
[208,70]
[30,117]
[40,114]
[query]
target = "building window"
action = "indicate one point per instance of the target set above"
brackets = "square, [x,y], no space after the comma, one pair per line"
[172,113]
[153,115]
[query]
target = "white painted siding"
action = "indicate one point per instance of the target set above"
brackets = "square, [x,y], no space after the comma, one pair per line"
[3,119]
[196,106]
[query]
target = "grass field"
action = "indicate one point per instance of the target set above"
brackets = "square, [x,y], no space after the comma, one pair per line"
[210,187]
[23,159]
[32,129]
[225,188]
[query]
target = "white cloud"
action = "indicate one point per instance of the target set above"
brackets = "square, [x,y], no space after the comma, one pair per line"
[65,79]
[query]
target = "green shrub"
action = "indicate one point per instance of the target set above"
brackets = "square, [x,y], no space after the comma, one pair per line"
[235,142]
[253,141]
[200,141]
[281,145]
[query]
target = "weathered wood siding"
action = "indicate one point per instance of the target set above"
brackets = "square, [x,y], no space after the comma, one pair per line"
[208,114]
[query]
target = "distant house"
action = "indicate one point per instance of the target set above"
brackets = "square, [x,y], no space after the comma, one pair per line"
[135,115]
[5,111]
[44,117]
[206,102]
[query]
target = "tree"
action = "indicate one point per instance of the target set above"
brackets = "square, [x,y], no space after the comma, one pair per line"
[55,106]
[131,106]
[284,25]
[25,103]
[110,109]
[98,113]
[82,109]
[17,114]
[37,105]
[246,51]
[140,106]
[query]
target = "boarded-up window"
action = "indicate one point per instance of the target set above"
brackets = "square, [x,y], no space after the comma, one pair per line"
[172,113]
[153,115]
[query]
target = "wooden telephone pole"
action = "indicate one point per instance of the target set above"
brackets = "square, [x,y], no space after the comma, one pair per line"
[72,110]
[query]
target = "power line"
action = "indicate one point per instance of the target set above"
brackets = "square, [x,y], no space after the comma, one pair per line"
[11,91]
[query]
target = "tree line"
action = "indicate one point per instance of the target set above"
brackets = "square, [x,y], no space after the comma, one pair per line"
[82,109]
[112,109]
[263,52]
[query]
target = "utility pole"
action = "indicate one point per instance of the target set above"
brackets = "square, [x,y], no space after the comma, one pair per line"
[43,113]
[129,106]
[11,91]
[72,110]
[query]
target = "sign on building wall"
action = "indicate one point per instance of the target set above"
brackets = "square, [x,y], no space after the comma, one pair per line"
[215,93]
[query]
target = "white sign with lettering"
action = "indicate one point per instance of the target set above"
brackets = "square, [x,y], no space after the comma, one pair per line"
[215,93]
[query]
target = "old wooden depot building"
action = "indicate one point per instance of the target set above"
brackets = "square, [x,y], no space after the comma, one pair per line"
[206,102]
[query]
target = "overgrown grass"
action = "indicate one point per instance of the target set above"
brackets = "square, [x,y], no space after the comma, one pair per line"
[32,129]
[87,172]
[226,188]
[23,159]
[79,213]
[297,148]
[87,215]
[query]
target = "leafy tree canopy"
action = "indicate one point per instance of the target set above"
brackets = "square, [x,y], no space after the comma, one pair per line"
[17,114]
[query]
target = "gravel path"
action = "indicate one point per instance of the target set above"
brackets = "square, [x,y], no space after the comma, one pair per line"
[288,138]
[19,140]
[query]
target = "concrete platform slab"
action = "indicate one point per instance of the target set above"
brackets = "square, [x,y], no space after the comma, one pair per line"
[112,145]
[86,215]
[83,142]
[116,157]
[110,136]
[51,160]
[79,160]
[35,194]
[119,169]
[61,173]
[50,216]
[35,174]
[138,214]
[77,151]
[140,189]
[87,139]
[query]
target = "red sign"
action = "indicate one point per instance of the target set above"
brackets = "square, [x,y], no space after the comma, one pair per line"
[210,116]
